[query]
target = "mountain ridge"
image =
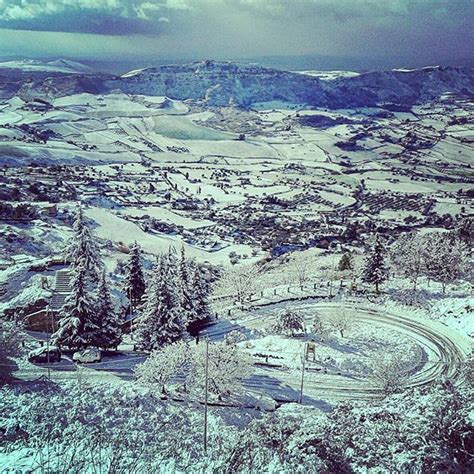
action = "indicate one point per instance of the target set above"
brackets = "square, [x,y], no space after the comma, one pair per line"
[220,83]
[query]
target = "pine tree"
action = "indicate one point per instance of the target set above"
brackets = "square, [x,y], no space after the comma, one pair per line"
[346,262]
[200,292]
[135,284]
[82,250]
[160,323]
[172,266]
[77,326]
[109,333]
[186,291]
[374,270]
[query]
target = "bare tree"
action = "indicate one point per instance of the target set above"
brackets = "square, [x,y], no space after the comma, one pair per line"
[228,365]
[184,367]
[300,270]
[447,258]
[408,256]
[341,322]
[319,328]
[390,373]
[239,283]
[162,365]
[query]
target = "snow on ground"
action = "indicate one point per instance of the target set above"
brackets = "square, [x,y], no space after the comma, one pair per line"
[455,312]
[329,75]
[116,229]
[163,214]
[21,287]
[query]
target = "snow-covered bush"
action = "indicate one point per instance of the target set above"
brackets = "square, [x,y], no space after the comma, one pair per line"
[411,297]
[289,322]
[234,337]
[423,430]
[184,366]
[390,372]
[11,346]
[158,370]
[352,366]
[103,428]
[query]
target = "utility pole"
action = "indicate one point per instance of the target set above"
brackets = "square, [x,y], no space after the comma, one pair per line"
[205,393]
[302,374]
[48,315]
[131,312]
[332,276]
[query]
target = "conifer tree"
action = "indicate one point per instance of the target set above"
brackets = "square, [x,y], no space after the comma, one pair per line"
[172,267]
[77,326]
[346,262]
[200,293]
[109,333]
[82,250]
[160,323]
[135,284]
[186,291]
[375,271]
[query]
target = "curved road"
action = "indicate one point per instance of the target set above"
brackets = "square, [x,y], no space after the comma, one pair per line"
[443,352]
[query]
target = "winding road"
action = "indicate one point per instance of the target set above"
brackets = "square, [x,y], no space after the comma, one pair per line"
[443,352]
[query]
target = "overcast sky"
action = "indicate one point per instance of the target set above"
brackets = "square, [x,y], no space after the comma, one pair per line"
[420,32]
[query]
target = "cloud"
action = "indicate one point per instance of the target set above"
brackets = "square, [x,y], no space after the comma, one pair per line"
[59,15]
[423,29]
[117,17]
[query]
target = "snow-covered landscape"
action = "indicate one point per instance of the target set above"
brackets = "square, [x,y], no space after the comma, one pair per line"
[222,267]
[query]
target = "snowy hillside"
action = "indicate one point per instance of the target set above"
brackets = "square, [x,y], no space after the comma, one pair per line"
[65,66]
[221,83]
[218,83]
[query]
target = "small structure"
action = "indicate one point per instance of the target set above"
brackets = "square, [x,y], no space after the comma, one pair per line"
[46,318]
[311,351]
[5,263]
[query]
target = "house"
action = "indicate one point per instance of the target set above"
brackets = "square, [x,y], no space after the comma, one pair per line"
[5,263]
[46,318]
[21,259]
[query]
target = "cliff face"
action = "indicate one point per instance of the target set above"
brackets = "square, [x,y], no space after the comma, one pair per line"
[221,83]
[218,83]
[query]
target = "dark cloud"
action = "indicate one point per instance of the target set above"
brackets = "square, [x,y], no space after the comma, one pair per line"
[421,30]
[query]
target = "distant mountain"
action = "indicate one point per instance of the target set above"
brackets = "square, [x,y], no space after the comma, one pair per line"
[63,66]
[222,83]
[219,83]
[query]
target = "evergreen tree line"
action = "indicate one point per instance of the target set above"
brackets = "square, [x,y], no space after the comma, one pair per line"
[172,304]
[88,317]
[439,256]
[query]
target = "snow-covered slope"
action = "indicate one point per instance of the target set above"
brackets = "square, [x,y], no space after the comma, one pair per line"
[220,83]
[329,75]
[64,66]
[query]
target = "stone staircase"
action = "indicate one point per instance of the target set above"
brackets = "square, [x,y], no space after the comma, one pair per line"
[61,290]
